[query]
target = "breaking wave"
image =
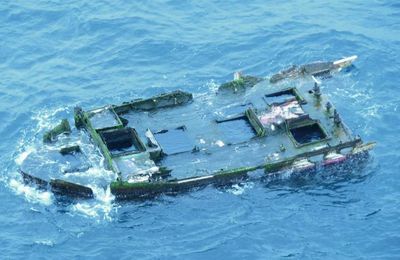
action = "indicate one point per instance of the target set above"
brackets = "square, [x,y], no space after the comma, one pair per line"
[101,207]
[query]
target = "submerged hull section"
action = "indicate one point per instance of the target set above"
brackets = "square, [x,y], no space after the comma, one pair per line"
[143,190]
[59,187]
[128,191]
[175,142]
[313,69]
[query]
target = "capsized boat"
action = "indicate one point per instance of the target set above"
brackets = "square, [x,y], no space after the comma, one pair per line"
[174,142]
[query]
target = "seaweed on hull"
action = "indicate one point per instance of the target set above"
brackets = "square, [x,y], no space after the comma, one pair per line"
[239,83]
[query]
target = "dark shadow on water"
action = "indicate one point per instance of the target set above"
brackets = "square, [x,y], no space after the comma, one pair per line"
[350,68]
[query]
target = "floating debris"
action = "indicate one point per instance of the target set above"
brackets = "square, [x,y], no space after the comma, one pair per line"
[173,142]
[313,69]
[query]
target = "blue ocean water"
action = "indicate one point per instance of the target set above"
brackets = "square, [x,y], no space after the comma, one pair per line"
[58,54]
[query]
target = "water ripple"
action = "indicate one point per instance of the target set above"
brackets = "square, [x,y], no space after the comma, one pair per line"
[55,55]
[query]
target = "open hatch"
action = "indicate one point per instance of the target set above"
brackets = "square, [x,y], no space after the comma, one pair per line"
[122,140]
[283,96]
[307,132]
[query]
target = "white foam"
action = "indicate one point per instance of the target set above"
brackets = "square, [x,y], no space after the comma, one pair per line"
[22,156]
[219,143]
[239,189]
[45,242]
[44,117]
[212,86]
[31,194]
[100,209]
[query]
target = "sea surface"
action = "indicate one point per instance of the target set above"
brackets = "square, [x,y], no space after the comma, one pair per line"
[55,55]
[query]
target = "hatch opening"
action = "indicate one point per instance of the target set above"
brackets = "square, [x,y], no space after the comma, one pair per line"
[122,140]
[308,133]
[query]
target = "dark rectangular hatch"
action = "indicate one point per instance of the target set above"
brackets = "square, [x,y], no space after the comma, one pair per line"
[308,133]
[122,140]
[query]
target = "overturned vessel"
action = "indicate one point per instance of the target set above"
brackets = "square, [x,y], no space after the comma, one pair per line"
[174,142]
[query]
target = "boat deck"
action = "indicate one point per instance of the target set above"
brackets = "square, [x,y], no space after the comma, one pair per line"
[213,132]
